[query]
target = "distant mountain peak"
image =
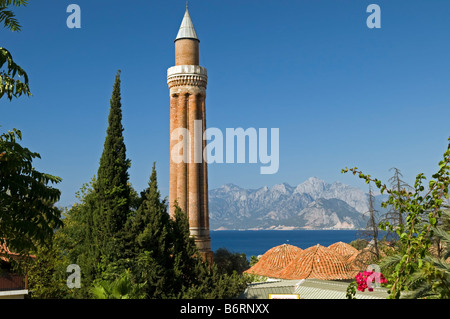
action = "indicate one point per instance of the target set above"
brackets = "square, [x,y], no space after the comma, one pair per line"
[230,186]
[312,186]
[282,188]
[313,203]
[315,179]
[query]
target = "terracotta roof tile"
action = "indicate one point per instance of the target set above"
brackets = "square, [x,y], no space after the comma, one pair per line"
[343,249]
[363,258]
[317,262]
[274,260]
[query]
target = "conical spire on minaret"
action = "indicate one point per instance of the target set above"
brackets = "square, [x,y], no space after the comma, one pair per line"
[187,30]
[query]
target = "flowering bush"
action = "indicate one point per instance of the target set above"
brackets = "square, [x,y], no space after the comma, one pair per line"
[364,280]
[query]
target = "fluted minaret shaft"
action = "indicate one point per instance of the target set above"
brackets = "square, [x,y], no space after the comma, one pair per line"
[189,177]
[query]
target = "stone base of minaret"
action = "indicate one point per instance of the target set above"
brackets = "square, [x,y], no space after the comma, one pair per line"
[206,253]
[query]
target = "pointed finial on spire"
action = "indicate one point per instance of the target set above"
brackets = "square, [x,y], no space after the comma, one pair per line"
[186,30]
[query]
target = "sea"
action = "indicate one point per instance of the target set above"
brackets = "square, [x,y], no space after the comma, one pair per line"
[257,242]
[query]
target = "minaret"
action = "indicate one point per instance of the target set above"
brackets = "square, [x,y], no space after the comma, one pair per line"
[189,178]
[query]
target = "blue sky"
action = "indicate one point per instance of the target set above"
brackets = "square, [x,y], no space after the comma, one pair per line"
[340,93]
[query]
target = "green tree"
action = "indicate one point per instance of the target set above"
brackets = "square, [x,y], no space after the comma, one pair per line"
[151,221]
[27,212]
[112,188]
[423,209]
[194,278]
[28,216]
[161,258]
[148,232]
[359,243]
[23,190]
[214,284]
[253,260]
[78,238]
[121,288]
[372,226]
[432,280]
[47,276]
[227,262]
[188,268]
[396,216]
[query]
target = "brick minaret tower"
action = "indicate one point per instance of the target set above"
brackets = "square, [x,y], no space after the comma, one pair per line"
[189,179]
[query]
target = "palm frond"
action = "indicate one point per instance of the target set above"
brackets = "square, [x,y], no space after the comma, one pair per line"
[391,261]
[442,232]
[423,290]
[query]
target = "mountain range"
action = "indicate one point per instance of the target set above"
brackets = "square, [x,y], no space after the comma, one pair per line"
[313,204]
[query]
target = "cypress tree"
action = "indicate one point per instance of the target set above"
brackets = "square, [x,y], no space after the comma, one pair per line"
[151,221]
[151,230]
[188,267]
[112,188]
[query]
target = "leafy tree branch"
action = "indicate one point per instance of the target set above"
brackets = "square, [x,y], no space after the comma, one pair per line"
[423,208]
[8,70]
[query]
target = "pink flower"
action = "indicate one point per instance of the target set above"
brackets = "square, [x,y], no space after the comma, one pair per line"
[363,277]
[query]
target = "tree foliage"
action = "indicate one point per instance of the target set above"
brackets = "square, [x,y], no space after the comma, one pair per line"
[9,84]
[120,288]
[396,216]
[228,262]
[46,272]
[78,238]
[149,235]
[371,230]
[159,255]
[7,17]
[27,212]
[423,207]
[112,187]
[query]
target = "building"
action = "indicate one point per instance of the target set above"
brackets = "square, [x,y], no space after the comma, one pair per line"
[12,285]
[307,289]
[274,260]
[188,184]
[344,249]
[317,272]
[317,262]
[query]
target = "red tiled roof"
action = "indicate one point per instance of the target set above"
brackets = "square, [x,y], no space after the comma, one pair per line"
[343,249]
[317,262]
[274,260]
[363,258]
